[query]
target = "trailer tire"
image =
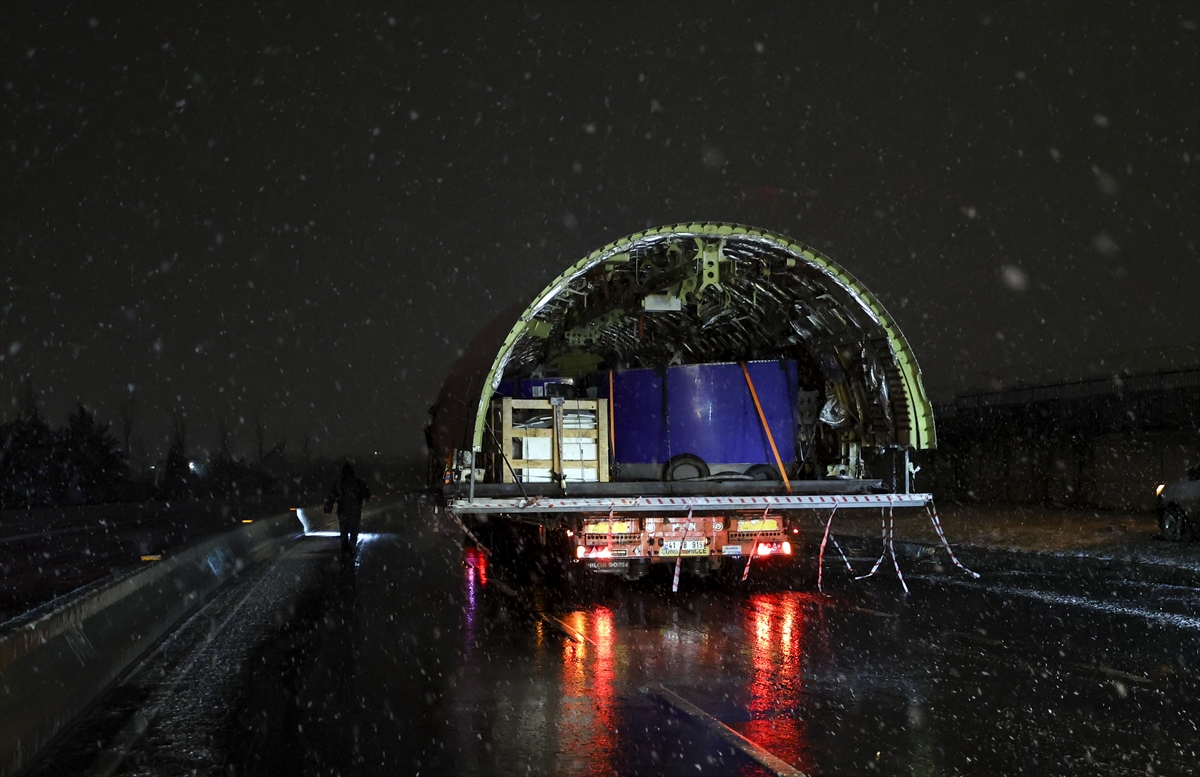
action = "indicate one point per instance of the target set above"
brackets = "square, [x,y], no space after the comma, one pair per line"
[763,472]
[680,467]
[638,569]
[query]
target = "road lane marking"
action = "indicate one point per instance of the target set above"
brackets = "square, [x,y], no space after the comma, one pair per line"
[1117,674]
[1031,662]
[504,589]
[549,620]
[559,624]
[1111,608]
[764,758]
[868,611]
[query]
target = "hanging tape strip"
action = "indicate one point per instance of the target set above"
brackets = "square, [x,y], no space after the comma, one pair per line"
[883,538]
[891,544]
[931,509]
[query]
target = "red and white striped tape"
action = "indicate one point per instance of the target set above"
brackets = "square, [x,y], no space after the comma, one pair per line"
[659,504]
[931,508]
[878,561]
[887,527]
[821,555]
[888,530]
[891,543]
[679,558]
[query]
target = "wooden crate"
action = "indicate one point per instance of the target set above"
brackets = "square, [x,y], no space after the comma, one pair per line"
[507,413]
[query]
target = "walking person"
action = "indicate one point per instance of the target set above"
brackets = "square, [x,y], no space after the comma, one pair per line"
[348,493]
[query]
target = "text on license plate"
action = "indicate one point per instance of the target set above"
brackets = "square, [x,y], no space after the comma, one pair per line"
[690,548]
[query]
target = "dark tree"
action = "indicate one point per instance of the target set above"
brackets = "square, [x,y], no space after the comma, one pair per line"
[94,468]
[177,479]
[29,474]
[128,421]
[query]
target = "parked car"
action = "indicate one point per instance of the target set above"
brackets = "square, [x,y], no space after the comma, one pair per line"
[1179,507]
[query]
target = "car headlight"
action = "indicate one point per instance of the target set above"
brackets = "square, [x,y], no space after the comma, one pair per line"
[1158,491]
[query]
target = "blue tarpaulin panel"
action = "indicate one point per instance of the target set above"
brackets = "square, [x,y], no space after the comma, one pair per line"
[707,411]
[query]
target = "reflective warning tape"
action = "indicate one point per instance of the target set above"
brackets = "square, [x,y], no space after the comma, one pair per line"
[891,543]
[821,556]
[486,551]
[931,508]
[678,558]
[887,523]
[878,561]
[668,503]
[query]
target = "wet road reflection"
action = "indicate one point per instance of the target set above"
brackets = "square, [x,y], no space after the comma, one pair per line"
[588,718]
[952,679]
[774,626]
[424,658]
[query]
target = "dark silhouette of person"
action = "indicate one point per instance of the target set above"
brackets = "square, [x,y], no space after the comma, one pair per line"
[348,493]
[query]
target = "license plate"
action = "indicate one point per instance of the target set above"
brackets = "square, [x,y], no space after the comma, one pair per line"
[690,548]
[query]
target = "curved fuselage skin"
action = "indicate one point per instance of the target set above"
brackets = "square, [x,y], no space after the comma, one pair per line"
[677,396]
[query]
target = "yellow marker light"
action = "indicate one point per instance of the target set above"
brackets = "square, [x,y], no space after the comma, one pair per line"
[152,558]
[1158,491]
[618,527]
[758,524]
[247,520]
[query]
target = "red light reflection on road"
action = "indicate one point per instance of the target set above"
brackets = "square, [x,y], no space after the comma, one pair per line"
[587,723]
[775,630]
[476,561]
[475,567]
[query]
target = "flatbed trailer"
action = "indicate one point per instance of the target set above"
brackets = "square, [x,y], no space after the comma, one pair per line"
[628,534]
[683,394]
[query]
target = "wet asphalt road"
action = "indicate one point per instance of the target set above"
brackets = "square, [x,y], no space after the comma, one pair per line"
[425,658]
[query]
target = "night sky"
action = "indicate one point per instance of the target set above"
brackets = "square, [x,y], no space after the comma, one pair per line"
[302,213]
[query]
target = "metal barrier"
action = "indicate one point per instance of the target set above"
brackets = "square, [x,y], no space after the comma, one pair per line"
[56,664]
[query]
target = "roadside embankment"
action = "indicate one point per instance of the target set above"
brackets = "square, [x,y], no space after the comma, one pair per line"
[57,660]
[51,552]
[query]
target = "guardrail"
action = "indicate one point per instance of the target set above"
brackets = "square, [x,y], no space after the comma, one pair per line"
[54,665]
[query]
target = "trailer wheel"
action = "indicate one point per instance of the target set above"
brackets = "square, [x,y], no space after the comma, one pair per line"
[637,570]
[1173,523]
[763,472]
[685,466]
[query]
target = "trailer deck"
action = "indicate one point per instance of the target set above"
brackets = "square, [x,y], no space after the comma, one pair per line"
[703,503]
